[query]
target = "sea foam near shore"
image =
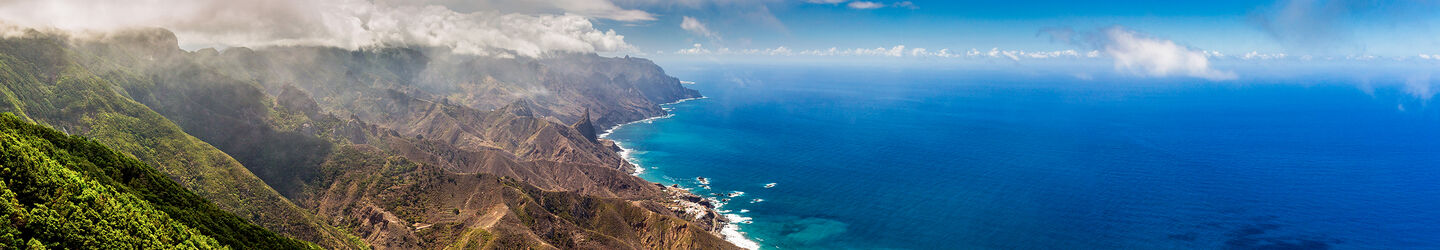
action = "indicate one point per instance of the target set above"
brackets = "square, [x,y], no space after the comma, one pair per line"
[629,154]
[731,230]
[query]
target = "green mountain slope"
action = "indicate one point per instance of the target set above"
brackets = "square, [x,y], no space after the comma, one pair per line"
[40,82]
[70,192]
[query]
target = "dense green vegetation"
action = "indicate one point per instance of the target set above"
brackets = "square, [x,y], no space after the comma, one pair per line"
[43,81]
[70,192]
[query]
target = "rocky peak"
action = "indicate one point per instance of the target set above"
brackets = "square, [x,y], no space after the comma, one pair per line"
[154,41]
[585,127]
[519,108]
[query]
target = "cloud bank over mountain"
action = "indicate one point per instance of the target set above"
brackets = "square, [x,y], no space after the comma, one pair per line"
[340,23]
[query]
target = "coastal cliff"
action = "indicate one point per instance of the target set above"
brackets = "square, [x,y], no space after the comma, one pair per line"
[379,147]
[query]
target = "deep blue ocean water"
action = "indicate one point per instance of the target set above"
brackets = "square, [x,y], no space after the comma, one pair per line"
[953,159]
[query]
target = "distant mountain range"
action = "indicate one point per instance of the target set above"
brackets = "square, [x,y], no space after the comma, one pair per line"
[381,147]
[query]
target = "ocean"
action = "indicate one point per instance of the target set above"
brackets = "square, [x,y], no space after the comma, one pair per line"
[933,158]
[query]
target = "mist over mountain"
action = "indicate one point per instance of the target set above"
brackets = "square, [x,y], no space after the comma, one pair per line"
[386,147]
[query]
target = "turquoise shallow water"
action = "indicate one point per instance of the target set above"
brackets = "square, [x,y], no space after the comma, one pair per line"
[939,159]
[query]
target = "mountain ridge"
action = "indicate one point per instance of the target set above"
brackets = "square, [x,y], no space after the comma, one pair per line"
[278,111]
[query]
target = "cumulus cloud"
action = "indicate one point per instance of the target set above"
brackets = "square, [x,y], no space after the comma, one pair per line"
[696,49]
[1145,55]
[897,51]
[699,49]
[864,5]
[919,52]
[695,26]
[348,24]
[1138,53]
[1256,55]
[777,51]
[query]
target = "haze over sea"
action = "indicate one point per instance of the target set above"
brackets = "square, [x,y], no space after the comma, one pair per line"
[928,158]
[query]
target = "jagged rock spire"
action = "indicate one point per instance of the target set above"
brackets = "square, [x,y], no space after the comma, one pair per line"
[585,127]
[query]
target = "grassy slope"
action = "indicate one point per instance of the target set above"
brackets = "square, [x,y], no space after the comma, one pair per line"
[70,192]
[41,84]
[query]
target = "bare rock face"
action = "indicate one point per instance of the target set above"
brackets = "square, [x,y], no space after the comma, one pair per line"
[585,127]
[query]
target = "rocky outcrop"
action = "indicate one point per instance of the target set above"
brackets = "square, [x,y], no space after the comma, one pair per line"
[585,127]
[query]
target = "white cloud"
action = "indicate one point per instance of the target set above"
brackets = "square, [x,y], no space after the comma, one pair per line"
[696,49]
[1052,54]
[897,51]
[901,51]
[779,51]
[695,26]
[589,8]
[1013,55]
[341,23]
[601,9]
[699,49]
[945,53]
[919,52]
[906,4]
[864,5]
[1256,55]
[1157,57]
[830,52]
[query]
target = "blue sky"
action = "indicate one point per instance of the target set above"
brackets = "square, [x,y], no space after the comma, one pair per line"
[1301,27]
[1153,38]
